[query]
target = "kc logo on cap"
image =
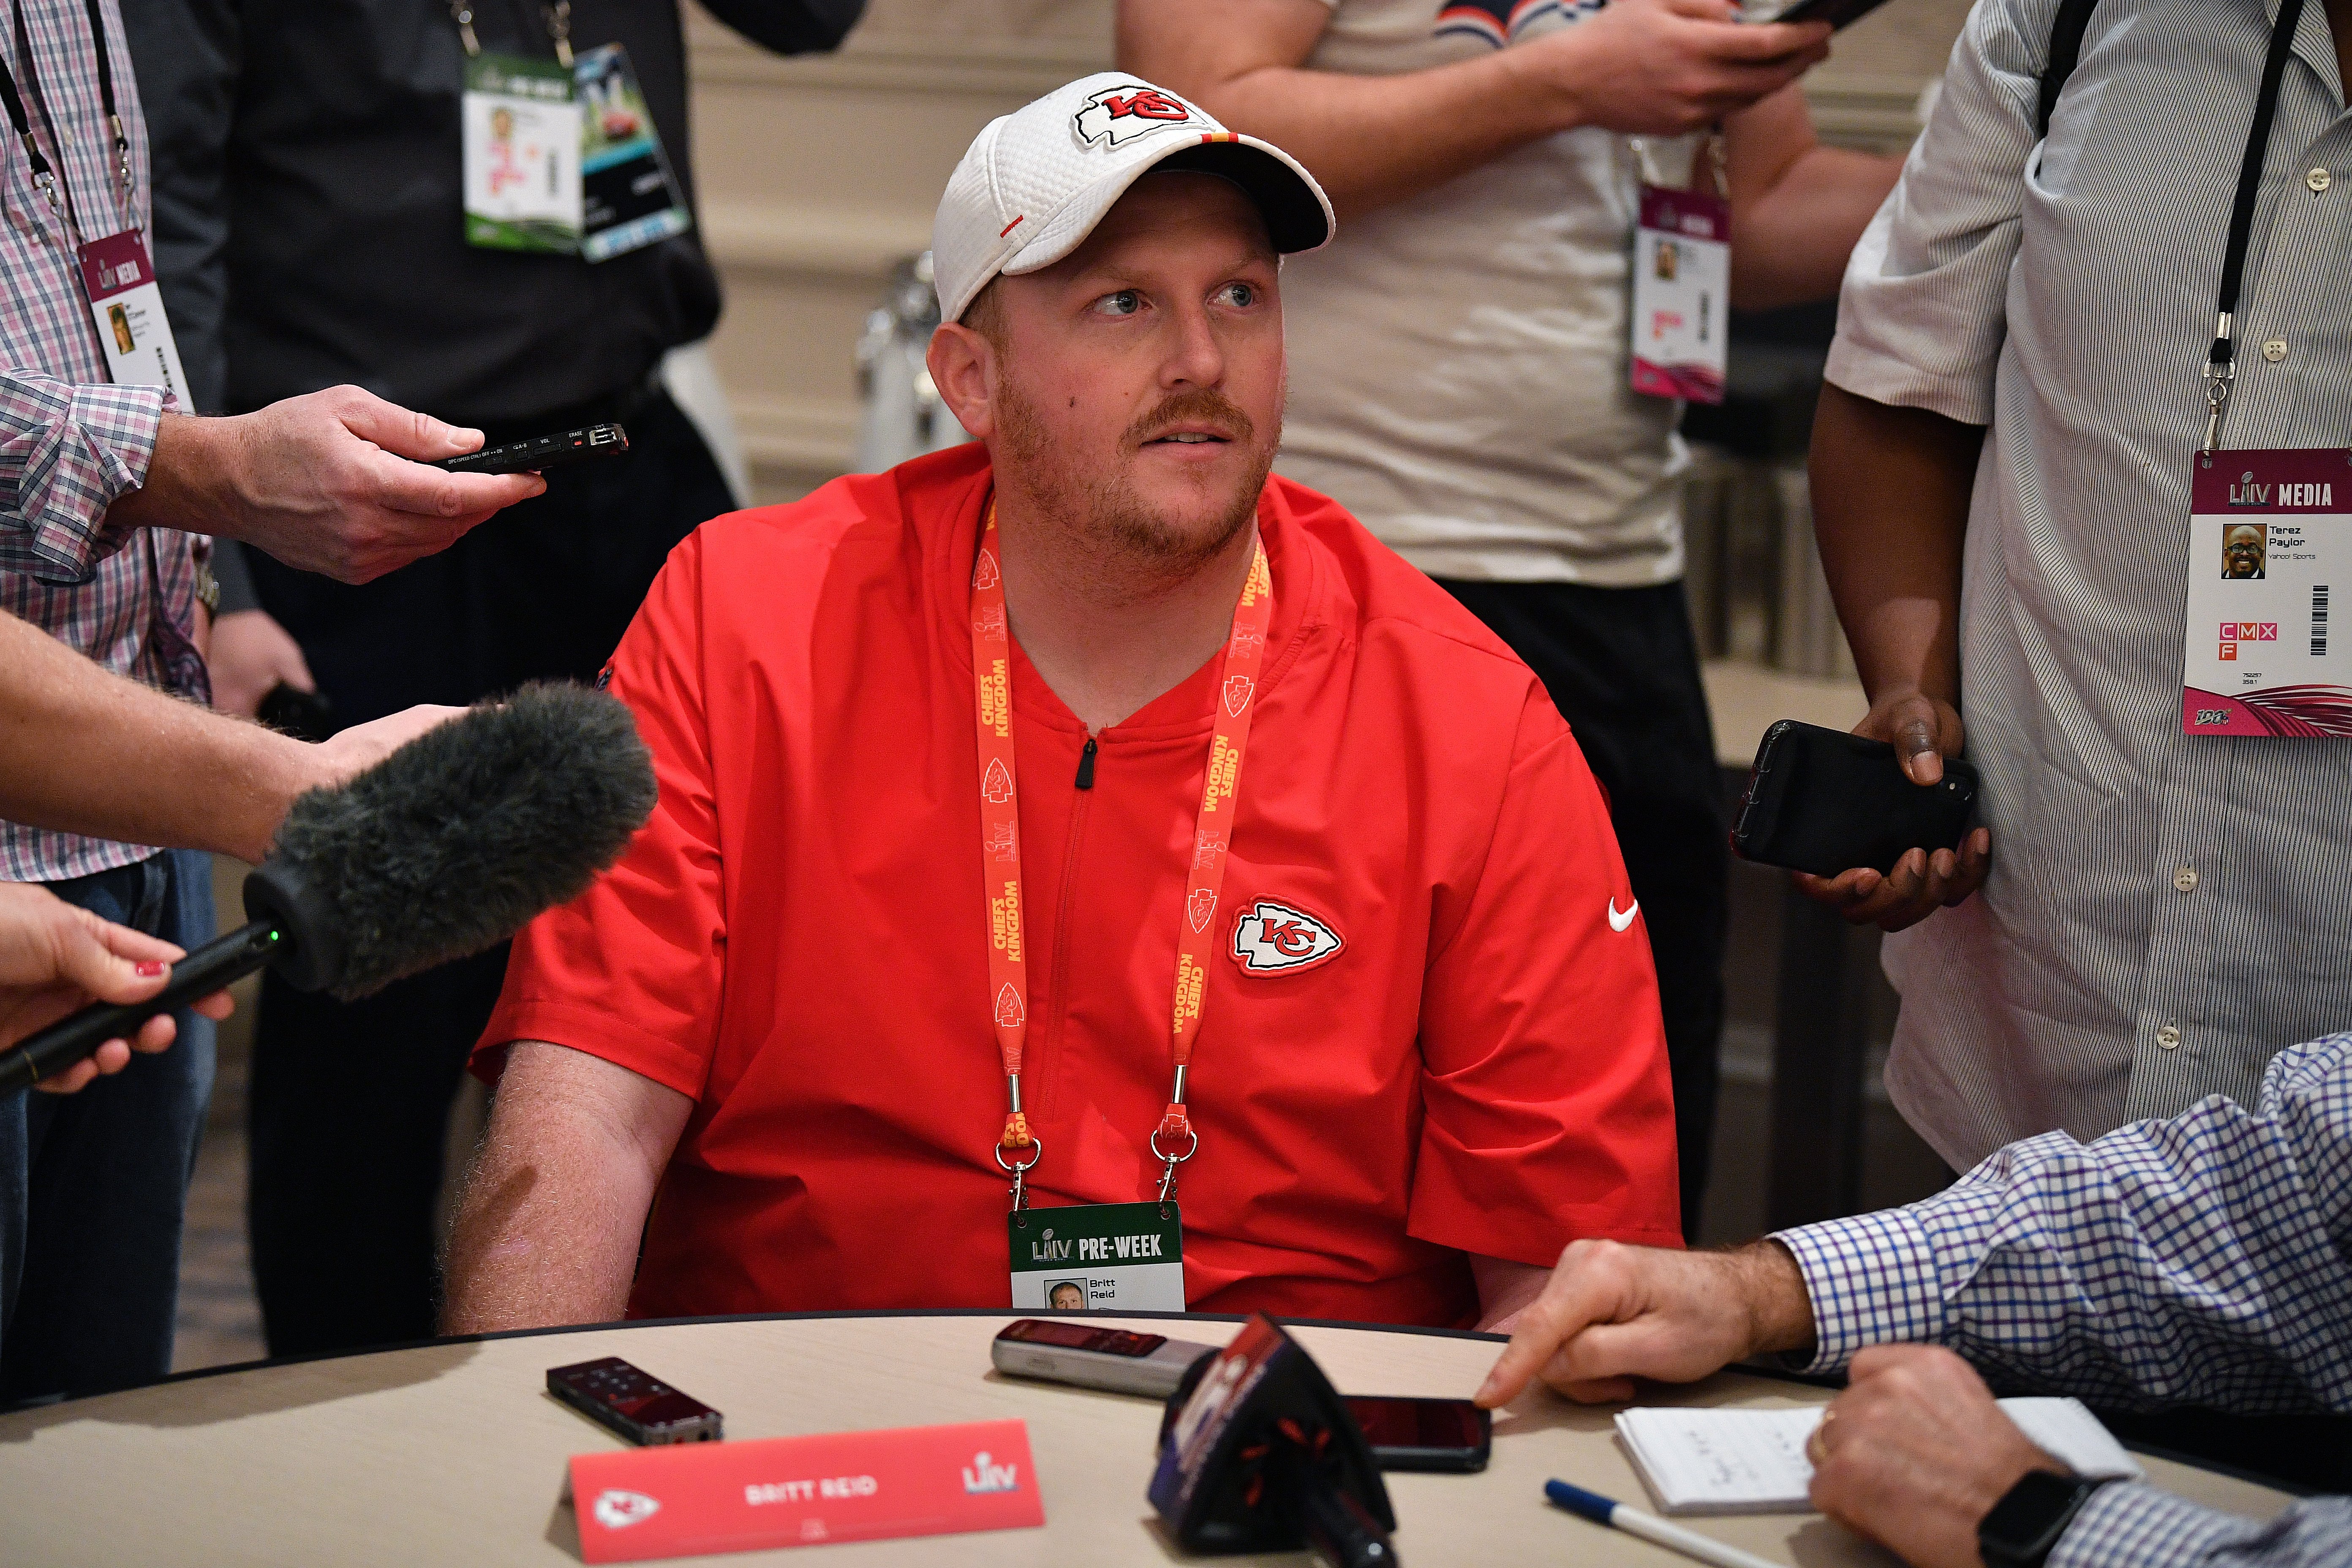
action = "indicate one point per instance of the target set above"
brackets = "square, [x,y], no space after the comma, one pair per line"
[1132,109]
[1034,184]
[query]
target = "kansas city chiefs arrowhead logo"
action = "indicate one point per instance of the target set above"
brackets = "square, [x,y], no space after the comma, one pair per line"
[983,571]
[1272,938]
[1200,906]
[1008,1008]
[996,784]
[1121,113]
[1237,693]
[617,1509]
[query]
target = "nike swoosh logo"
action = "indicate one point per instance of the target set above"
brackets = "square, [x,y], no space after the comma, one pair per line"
[1618,921]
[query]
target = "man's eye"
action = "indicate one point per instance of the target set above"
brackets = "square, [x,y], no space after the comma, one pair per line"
[1126,302]
[1239,296]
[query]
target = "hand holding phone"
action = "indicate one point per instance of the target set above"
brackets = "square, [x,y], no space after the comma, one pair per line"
[1884,831]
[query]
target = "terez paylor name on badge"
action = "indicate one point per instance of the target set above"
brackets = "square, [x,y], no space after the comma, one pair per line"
[2268,541]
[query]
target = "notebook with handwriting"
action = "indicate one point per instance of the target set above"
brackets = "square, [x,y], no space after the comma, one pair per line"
[1753,1461]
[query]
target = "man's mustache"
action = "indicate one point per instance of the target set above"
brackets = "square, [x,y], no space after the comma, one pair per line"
[1199,403]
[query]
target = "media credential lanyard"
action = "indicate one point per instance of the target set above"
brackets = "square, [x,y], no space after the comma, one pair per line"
[2220,361]
[999,848]
[126,306]
[2268,540]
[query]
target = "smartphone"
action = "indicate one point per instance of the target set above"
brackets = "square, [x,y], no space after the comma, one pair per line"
[541,452]
[1824,801]
[1114,1360]
[1423,1434]
[633,1402]
[1836,12]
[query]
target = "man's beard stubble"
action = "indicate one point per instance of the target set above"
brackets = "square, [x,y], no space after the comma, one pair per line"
[1104,509]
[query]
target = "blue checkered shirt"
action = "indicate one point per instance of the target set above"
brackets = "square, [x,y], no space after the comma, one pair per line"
[2203,1260]
[69,442]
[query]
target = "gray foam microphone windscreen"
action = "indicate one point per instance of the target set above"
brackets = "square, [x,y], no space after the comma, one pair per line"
[457,839]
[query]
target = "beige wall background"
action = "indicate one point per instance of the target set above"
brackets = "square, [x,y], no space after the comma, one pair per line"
[818,174]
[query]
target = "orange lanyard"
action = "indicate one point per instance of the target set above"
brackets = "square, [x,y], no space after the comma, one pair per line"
[1000,849]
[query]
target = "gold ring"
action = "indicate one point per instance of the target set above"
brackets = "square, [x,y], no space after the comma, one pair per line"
[1816,1449]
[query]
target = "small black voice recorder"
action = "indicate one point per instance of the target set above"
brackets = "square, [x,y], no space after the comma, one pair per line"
[632,1402]
[541,451]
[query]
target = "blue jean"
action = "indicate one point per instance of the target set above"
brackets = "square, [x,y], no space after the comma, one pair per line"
[93,1187]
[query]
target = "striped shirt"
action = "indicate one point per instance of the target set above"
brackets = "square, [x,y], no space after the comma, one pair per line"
[69,442]
[2199,1261]
[2162,911]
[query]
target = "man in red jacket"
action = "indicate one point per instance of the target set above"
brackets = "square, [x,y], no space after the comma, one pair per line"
[1085,866]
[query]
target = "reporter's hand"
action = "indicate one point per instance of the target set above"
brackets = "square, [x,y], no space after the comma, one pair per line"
[1613,1312]
[250,654]
[56,958]
[1914,1453]
[362,746]
[1667,68]
[1924,730]
[323,482]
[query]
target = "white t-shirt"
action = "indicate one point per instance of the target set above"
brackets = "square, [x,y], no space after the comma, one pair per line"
[1458,360]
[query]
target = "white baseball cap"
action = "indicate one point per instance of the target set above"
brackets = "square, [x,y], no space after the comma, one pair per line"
[1034,183]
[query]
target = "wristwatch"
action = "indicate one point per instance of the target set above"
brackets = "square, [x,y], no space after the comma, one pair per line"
[207,587]
[2020,1529]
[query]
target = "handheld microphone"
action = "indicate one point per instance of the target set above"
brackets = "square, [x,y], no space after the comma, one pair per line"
[447,846]
[1258,1453]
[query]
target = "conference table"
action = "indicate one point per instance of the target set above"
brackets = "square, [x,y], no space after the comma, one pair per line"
[453,1452]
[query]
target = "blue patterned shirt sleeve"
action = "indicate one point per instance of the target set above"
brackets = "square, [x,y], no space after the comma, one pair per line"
[2200,1260]
[2132,1524]
[65,453]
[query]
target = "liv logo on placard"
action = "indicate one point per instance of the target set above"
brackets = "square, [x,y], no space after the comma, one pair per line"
[617,1509]
[983,1476]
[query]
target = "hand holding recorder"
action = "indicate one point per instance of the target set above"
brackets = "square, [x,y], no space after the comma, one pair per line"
[336,482]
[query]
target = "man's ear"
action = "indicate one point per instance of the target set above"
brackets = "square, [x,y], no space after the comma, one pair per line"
[963,364]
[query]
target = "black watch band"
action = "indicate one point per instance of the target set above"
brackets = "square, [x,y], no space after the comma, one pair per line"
[2020,1530]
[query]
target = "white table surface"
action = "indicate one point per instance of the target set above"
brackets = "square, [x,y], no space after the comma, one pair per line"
[454,1453]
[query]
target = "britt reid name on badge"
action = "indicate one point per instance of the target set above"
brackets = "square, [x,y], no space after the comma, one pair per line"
[757,1493]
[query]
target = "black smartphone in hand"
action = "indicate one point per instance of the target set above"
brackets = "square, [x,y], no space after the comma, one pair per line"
[541,451]
[1824,801]
[1838,14]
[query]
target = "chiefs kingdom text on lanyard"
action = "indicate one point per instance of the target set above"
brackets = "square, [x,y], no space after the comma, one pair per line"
[1173,1141]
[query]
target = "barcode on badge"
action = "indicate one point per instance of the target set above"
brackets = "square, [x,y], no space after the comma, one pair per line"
[2320,620]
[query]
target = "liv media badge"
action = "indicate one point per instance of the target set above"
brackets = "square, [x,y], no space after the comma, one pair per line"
[1097,1257]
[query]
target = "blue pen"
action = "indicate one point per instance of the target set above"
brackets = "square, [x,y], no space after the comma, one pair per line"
[1649,1527]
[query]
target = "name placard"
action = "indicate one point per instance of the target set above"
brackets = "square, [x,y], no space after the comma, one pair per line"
[701,1498]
